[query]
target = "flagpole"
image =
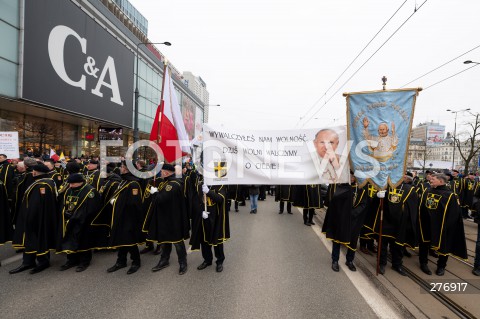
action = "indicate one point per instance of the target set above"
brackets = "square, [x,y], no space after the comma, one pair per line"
[160,114]
[379,248]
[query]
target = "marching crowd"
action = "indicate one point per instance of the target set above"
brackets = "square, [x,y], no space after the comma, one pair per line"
[69,208]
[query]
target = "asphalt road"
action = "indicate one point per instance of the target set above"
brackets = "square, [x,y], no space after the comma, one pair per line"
[275,267]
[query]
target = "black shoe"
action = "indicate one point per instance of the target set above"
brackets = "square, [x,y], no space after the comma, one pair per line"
[381,269]
[251,212]
[67,265]
[236,210]
[351,266]
[307,224]
[219,268]
[400,270]
[183,269]
[133,269]
[365,250]
[81,268]
[335,266]
[425,269]
[255,211]
[311,223]
[146,250]
[162,264]
[39,268]
[242,204]
[476,271]
[290,213]
[21,268]
[440,271]
[204,265]
[407,253]
[116,267]
[280,212]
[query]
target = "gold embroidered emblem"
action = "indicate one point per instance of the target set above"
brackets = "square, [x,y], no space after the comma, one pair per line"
[42,191]
[168,188]
[135,191]
[395,195]
[91,195]
[102,189]
[432,201]
[371,191]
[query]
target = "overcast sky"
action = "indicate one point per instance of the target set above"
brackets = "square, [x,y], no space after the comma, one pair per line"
[268,62]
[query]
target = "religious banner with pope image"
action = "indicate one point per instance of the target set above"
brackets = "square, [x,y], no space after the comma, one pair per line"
[378,126]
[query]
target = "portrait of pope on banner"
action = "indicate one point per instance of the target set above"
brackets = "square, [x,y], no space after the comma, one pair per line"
[383,145]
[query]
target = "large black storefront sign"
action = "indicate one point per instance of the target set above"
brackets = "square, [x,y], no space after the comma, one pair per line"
[74,64]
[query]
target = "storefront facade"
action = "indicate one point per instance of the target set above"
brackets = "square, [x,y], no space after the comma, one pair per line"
[68,70]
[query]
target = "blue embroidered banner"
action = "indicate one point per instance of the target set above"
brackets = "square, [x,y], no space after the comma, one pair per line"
[378,126]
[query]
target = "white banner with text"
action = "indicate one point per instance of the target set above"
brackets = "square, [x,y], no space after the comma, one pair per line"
[275,157]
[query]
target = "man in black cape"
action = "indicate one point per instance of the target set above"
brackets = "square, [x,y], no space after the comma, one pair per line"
[282,195]
[78,205]
[307,197]
[36,225]
[92,174]
[400,213]
[210,227]
[53,174]
[169,222]
[124,217]
[24,181]
[441,225]
[344,219]
[6,191]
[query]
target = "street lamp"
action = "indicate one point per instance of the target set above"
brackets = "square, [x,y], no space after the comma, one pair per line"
[135,121]
[455,129]
[470,61]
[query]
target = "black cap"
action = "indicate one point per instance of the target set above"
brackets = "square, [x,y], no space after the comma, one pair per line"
[75,178]
[73,167]
[168,167]
[42,168]
[111,167]
[92,162]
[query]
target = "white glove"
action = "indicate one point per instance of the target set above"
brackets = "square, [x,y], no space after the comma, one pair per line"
[112,201]
[381,194]
[205,214]
[153,190]
[205,188]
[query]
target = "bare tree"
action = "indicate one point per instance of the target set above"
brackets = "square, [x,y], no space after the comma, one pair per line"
[471,144]
[43,132]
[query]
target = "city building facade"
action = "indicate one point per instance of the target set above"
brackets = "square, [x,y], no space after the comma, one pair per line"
[68,75]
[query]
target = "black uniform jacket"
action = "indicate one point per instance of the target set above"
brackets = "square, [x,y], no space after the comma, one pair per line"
[345,214]
[169,222]
[215,229]
[36,226]
[123,214]
[441,222]
[306,196]
[78,208]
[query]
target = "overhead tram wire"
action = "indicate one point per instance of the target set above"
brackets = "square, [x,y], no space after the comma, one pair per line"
[451,76]
[355,59]
[478,46]
[333,95]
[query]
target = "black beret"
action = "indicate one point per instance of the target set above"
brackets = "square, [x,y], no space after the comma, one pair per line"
[75,178]
[42,168]
[168,167]
[73,167]
[93,162]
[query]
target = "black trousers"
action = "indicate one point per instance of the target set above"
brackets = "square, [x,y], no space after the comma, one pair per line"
[134,255]
[308,214]
[29,259]
[229,204]
[81,258]
[395,249]
[423,256]
[207,253]
[289,206]
[181,252]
